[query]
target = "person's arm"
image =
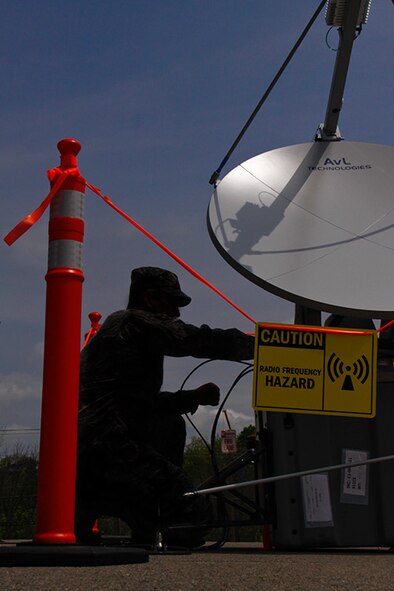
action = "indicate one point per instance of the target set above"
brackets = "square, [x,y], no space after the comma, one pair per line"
[187,401]
[177,339]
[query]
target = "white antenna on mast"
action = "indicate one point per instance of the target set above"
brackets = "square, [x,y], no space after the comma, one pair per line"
[336,11]
[348,15]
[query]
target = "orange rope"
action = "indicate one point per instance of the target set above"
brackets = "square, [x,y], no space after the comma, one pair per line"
[169,252]
[33,217]
[386,325]
[91,332]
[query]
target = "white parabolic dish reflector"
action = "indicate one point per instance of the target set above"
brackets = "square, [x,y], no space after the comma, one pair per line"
[313,223]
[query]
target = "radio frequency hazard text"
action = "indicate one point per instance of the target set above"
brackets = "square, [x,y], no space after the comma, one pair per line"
[288,382]
[299,371]
[277,376]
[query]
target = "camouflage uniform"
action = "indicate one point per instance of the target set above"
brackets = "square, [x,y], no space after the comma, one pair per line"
[131,434]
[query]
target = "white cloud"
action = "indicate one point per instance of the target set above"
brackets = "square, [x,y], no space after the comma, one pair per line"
[16,387]
[239,416]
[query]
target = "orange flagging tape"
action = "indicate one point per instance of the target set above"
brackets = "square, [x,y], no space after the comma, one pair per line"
[33,217]
[169,252]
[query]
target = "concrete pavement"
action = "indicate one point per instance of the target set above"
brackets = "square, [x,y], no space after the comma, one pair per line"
[235,567]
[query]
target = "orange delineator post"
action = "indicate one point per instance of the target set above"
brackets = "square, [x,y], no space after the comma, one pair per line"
[59,413]
[94,318]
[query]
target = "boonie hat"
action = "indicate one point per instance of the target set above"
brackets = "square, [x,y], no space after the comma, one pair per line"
[144,278]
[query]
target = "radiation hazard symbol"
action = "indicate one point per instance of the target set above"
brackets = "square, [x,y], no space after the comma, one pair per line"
[312,370]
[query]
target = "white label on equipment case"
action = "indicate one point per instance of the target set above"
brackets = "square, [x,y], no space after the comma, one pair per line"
[355,479]
[317,502]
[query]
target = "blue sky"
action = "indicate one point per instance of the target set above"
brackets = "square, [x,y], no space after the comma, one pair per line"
[156,92]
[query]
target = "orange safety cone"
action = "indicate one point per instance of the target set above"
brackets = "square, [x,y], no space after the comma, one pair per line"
[59,416]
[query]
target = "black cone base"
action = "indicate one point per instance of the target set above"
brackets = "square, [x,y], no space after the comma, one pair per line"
[62,555]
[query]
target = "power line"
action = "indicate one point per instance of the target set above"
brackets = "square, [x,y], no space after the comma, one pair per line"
[16,431]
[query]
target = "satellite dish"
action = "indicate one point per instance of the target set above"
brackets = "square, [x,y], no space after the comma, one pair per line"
[313,223]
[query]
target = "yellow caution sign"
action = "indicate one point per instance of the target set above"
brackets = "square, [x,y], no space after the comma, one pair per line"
[316,370]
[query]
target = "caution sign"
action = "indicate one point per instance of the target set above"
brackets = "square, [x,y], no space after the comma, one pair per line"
[316,370]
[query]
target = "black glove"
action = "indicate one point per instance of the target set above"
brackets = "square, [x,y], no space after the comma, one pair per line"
[208,394]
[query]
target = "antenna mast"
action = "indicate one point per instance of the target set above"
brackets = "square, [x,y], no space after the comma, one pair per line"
[348,15]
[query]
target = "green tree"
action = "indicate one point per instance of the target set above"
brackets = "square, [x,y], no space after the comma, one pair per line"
[18,486]
[244,436]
